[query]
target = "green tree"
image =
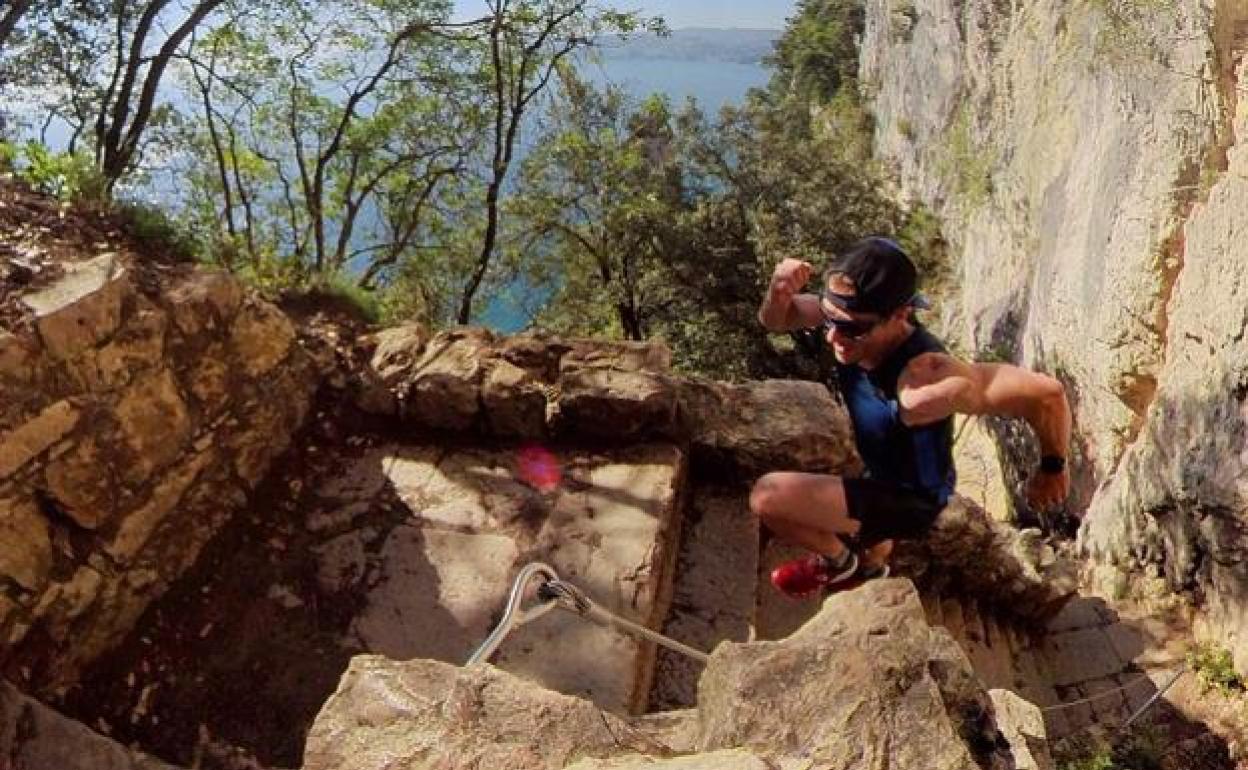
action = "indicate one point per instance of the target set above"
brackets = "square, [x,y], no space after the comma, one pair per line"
[10,17]
[595,200]
[322,160]
[524,43]
[817,56]
[98,67]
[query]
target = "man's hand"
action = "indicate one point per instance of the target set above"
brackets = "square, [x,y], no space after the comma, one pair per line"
[785,307]
[788,279]
[1048,490]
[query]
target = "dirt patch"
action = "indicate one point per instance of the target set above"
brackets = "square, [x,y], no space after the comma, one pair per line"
[39,236]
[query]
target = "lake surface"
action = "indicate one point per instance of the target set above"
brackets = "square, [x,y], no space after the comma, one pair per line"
[712,83]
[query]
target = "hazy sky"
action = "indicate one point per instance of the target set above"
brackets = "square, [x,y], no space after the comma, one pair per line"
[755,14]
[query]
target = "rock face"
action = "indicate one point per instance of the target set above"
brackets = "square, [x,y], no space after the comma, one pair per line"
[832,693]
[33,736]
[1087,162]
[133,423]
[867,683]
[969,553]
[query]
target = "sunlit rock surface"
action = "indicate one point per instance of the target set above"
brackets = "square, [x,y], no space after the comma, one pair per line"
[866,683]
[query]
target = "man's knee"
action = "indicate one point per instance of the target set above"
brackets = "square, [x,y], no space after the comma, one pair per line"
[765,495]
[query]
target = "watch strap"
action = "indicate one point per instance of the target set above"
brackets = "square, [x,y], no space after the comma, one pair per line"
[1052,464]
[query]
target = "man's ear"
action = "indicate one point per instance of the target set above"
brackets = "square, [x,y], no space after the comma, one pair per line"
[903,313]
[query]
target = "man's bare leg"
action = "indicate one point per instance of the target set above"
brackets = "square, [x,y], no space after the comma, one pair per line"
[808,509]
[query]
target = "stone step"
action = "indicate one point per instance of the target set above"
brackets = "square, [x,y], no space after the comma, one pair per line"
[713,597]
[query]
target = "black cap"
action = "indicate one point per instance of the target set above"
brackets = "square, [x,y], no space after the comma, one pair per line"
[884,278]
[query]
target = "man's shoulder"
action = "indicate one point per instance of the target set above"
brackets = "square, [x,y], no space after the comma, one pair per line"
[924,341]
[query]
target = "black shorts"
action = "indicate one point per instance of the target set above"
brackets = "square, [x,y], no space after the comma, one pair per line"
[888,511]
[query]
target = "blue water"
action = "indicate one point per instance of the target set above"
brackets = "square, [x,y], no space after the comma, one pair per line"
[712,83]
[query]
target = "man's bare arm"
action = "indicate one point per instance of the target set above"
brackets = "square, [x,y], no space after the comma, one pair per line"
[935,385]
[784,307]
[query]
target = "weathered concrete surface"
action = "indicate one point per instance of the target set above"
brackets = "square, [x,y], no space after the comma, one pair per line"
[715,592]
[34,737]
[136,413]
[610,526]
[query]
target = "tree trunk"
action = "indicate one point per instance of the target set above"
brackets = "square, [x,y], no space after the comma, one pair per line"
[8,22]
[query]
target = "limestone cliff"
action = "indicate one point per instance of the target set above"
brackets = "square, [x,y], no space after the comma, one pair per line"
[1088,162]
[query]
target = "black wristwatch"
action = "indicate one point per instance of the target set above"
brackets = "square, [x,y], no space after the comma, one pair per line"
[1052,464]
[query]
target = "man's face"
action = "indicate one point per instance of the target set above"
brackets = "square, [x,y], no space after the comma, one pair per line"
[851,335]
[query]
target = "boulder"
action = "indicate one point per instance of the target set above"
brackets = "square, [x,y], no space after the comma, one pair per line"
[142,405]
[427,714]
[34,737]
[771,425]
[866,683]
[82,307]
[968,553]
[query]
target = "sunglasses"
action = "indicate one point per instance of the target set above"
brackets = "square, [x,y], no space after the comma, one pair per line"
[852,329]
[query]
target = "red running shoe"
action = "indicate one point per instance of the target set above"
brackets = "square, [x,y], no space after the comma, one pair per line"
[859,578]
[802,577]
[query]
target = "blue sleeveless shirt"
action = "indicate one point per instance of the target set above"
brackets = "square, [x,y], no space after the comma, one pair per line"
[919,458]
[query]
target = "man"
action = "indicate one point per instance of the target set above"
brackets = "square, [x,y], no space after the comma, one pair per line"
[901,389]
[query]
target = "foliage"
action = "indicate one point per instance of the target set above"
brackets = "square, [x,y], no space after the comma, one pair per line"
[66,176]
[647,222]
[1141,748]
[965,162]
[654,224]
[598,195]
[158,230]
[526,42]
[817,56]
[95,69]
[370,150]
[9,154]
[1100,759]
[1215,668]
[365,301]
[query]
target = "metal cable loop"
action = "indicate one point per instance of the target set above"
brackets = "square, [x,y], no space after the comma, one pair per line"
[514,614]
[553,593]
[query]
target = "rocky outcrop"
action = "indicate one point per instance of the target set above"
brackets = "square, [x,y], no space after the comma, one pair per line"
[1087,160]
[866,683]
[1015,571]
[537,387]
[139,405]
[145,403]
